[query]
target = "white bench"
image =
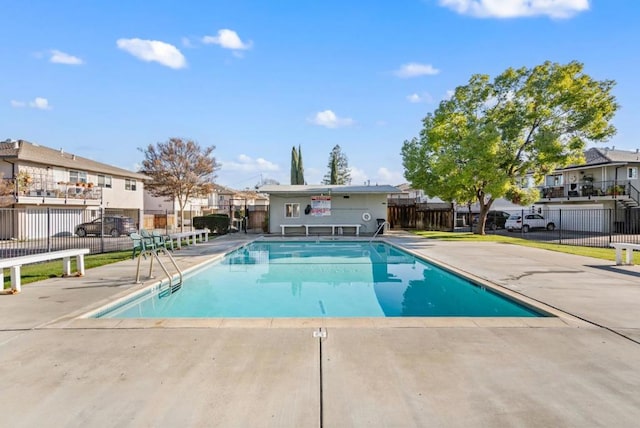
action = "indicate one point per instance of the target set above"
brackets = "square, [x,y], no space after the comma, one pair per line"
[332,226]
[191,236]
[619,246]
[15,263]
[284,226]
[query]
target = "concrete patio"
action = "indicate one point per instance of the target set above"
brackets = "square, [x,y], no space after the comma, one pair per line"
[578,369]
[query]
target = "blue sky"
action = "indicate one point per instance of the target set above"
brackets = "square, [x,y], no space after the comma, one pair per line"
[254,78]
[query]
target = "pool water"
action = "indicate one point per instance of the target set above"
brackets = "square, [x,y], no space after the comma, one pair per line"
[321,279]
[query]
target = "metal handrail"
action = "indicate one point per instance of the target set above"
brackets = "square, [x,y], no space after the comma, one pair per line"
[380,227]
[634,193]
[154,254]
[585,188]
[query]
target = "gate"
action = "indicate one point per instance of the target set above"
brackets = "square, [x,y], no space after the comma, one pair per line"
[257,218]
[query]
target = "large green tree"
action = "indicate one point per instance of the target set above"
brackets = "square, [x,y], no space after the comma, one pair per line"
[297,169]
[338,166]
[179,169]
[481,143]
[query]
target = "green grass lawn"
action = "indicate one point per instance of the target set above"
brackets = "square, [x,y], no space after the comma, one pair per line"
[598,253]
[53,269]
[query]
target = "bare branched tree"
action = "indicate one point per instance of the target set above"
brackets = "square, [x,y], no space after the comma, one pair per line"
[179,169]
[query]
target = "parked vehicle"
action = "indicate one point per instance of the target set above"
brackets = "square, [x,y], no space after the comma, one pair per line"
[113,226]
[495,220]
[530,222]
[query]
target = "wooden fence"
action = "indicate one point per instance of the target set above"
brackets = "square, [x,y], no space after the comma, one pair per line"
[420,217]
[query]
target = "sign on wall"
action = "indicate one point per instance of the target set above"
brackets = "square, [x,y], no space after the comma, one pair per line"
[321,205]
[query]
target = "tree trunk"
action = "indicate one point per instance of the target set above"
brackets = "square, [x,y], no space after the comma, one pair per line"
[482,218]
[181,205]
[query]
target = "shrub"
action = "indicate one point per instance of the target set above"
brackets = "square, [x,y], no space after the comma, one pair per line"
[617,189]
[216,223]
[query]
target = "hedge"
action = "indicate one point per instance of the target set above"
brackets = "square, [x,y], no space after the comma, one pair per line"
[216,223]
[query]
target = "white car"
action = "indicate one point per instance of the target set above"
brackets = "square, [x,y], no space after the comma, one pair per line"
[530,222]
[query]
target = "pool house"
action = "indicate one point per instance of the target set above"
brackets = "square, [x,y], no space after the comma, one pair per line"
[311,210]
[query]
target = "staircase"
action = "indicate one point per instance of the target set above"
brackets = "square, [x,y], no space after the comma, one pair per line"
[629,200]
[625,202]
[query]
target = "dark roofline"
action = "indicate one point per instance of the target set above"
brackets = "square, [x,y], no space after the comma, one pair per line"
[35,153]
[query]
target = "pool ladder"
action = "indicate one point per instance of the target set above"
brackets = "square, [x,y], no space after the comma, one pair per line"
[380,228]
[155,254]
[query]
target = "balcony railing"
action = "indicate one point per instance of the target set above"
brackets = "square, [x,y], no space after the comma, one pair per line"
[49,191]
[590,189]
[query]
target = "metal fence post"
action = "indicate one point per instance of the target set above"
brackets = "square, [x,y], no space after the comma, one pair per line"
[560,226]
[166,222]
[611,223]
[48,229]
[102,229]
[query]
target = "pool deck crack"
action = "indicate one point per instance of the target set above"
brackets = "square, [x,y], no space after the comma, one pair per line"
[538,272]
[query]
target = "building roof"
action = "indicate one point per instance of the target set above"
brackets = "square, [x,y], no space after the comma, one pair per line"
[316,189]
[223,190]
[596,157]
[31,152]
[611,155]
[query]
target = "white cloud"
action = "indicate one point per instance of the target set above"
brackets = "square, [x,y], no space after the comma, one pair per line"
[328,119]
[153,50]
[186,42]
[59,57]
[40,104]
[389,177]
[227,39]
[358,176]
[414,69]
[517,8]
[245,163]
[420,98]
[449,94]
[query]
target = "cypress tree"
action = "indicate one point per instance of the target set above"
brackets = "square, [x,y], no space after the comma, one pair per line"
[300,167]
[294,165]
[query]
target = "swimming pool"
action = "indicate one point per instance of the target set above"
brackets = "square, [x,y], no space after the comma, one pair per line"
[320,279]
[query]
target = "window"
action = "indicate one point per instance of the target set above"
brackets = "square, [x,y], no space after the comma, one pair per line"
[292,210]
[557,180]
[104,181]
[129,184]
[632,173]
[77,177]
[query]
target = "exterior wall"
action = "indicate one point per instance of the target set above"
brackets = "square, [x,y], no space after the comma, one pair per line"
[156,203]
[343,211]
[118,197]
[500,204]
[46,177]
[220,200]
[605,174]
[594,219]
